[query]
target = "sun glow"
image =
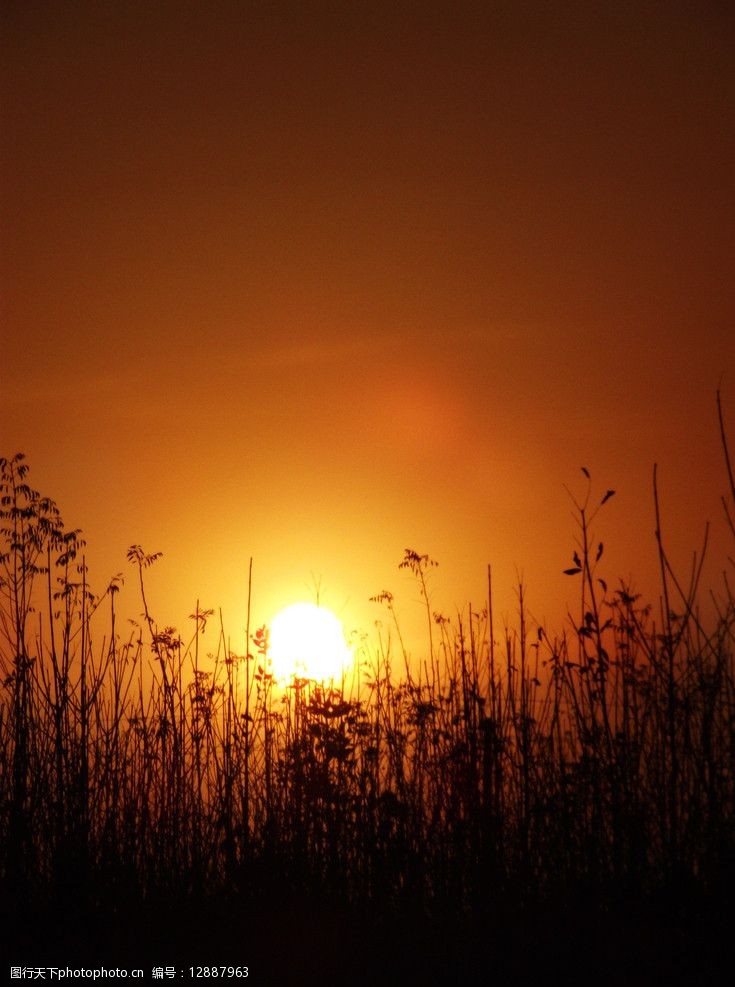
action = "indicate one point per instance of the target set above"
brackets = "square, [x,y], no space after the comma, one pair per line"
[308,642]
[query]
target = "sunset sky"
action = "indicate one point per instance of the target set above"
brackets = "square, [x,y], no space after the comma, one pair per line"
[316,282]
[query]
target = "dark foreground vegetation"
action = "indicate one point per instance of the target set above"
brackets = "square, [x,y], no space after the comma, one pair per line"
[514,801]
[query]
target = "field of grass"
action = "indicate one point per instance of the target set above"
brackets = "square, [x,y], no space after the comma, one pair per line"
[505,800]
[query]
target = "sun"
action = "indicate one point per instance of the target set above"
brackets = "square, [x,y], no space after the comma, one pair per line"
[307,641]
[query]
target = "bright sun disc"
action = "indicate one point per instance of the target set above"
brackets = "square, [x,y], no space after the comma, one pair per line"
[308,642]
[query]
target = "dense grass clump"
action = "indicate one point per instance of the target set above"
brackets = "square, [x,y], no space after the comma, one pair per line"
[500,785]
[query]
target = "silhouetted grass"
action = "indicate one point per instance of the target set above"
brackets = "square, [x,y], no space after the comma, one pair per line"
[506,796]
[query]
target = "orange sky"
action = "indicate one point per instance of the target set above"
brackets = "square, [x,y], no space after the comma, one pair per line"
[317,282]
